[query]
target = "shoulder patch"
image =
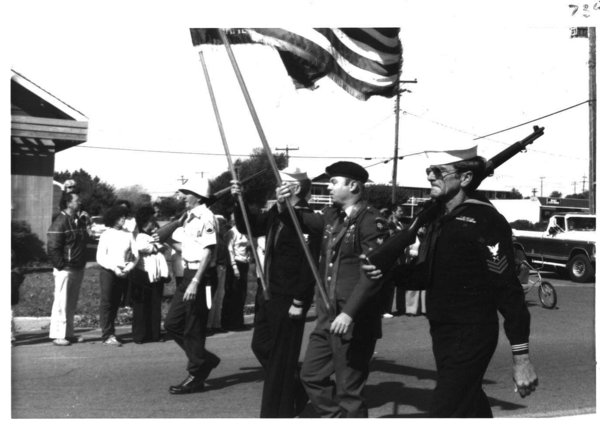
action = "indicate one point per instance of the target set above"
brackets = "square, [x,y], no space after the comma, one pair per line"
[496,262]
[209,227]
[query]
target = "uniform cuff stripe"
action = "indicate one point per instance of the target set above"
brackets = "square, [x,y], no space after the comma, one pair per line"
[520,349]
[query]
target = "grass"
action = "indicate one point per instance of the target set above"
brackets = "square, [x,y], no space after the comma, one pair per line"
[37,294]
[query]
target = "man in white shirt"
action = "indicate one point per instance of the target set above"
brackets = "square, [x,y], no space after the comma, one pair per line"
[187,317]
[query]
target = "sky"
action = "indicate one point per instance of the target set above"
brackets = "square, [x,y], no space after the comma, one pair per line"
[131,69]
[480,67]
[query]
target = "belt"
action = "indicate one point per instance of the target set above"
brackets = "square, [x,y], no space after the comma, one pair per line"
[192,265]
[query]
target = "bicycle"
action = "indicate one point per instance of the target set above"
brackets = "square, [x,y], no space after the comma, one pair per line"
[546,291]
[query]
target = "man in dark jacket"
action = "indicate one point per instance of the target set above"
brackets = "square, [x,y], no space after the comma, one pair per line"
[279,322]
[467,262]
[67,239]
[344,338]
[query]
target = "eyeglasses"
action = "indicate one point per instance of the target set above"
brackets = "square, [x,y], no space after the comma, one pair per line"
[438,173]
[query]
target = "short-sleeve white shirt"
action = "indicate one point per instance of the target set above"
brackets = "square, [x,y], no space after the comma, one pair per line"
[199,232]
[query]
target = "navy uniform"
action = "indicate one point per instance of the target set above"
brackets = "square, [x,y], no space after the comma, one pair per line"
[349,290]
[466,264]
[186,320]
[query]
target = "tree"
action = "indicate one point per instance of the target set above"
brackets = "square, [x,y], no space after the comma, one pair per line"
[257,190]
[583,195]
[556,194]
[514,194]
[96,195]
[170,207]
[136,194]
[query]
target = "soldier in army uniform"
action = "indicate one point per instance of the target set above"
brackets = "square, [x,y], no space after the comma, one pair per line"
[344,338]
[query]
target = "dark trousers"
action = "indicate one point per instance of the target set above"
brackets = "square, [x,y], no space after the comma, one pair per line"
[276,343]
[111,292]
[462,354]
[186,323]
[232,315]
[146,298]
[348,360]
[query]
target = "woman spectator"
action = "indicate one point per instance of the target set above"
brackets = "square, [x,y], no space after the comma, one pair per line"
[236,281]
[148,279]
[117,255]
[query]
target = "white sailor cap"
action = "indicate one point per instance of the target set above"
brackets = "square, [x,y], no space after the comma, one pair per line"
[444,157]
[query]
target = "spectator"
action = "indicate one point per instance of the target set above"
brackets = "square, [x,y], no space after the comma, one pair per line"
[236,282]
[130,226]
[67,239]
[148,279]
[214,315]
[117,255]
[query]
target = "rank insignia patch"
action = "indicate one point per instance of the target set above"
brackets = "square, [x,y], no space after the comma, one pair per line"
[497,263]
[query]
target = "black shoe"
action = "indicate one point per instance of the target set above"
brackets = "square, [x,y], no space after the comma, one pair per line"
[190,385]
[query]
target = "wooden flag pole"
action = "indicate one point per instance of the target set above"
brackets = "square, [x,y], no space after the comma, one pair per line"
[269,154]
[259,269]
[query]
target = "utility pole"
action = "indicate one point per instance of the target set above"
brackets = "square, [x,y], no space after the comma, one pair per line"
[397,132]
[592,66]
[287,153]
[533,191]
[542,186]
[201,174]
[574,187]
[590,34]
[583,183]
[183,180]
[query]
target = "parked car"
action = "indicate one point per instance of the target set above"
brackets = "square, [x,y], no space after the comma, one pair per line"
[568,244]
[96,227]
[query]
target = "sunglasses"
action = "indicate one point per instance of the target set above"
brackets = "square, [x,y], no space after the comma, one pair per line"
[438,173]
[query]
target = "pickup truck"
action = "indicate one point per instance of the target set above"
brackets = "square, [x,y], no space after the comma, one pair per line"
[568,244]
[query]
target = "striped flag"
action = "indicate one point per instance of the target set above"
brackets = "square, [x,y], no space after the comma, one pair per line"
[363,61]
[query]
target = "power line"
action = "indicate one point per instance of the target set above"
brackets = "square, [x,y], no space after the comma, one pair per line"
[405,112]
[533,120]
[489,139]
[220,154]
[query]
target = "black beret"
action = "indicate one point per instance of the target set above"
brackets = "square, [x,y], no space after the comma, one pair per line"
[349,170]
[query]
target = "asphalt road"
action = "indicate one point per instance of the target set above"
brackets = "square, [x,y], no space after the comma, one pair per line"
[89,380]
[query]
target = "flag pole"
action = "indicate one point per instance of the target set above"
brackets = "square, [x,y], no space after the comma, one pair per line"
[259,269]
[269,154]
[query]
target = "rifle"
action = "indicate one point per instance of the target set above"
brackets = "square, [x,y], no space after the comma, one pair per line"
[384,256]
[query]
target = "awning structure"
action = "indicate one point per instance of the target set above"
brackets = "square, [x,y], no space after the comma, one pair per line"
[42,124]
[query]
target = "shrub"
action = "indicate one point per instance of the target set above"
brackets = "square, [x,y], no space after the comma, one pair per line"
[29,249]
[523,224]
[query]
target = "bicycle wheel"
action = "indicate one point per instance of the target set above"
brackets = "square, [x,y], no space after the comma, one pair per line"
[547,295]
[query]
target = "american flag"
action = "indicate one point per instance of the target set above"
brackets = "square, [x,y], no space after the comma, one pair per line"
[363,61]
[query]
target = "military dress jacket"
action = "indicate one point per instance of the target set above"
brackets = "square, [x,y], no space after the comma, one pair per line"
[348,288]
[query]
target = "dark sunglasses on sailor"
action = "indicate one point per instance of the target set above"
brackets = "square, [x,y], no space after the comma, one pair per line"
[439,173]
